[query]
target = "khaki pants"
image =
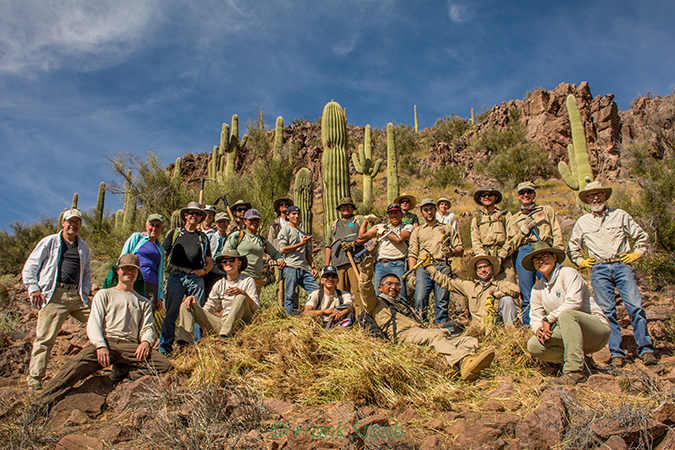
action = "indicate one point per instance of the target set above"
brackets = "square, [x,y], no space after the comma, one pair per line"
[51,317]
[85,363]
[349,281]
[454,349]
[576,334]
[258,285]
[240,312]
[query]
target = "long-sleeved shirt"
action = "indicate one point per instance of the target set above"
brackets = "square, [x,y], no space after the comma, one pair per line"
[476,292]
[430,237]
[122,315]
[605,235]
[566,290]
[447,219]
[41,269]
[488,233]
[254,247]
[219,301]
[134,243]
[547,227]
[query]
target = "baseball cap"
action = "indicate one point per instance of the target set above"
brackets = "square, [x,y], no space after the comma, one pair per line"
[72,213]
[328,270]
[394,207]
[252,214]
[292,209]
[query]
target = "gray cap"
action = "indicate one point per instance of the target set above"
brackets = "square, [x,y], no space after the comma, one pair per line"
[72,213]
[427,201]
[222,216]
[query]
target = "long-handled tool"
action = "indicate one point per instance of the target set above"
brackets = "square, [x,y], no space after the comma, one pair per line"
[419,263]
[201,180]
[351,261]
[282,288]
[380,239]
[223,198]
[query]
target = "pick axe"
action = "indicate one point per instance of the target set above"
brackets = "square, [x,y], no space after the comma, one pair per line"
[419,263]
[223,198]
[201,180]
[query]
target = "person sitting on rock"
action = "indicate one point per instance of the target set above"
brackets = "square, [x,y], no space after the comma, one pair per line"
[331,305]
[567,322]
[486,297]
[234,297]
[120,329]
[397,321]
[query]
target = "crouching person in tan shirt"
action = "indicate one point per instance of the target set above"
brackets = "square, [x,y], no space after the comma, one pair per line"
[235,296]
[120,329]
[567,322]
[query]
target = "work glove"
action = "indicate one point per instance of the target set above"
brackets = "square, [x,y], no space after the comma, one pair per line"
[630,258]
[372,218]
[490,305]
[348,246]
[527,225]
[447,252]
[587,263]
[371,245]
[412,281]
[427,260]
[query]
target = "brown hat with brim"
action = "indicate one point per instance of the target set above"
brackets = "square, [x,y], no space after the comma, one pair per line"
[594,186]
[282,199]
[128,260]
[487,190]
[193,206]
[232,254]
[240,203]
[538,248]
[413,200]
[496,267]
[346,201]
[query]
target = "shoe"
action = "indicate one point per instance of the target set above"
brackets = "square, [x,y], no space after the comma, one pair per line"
[471,366]
[569,379]
[618,361]
[34,383]
[648,359]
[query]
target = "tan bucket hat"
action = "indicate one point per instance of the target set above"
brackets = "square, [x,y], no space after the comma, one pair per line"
[232,254]
[487,190]
[594,186]
[413,200]
[193,206]
[496,267]
[538,248]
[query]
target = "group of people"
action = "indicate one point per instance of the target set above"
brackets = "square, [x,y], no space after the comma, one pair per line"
[215,274]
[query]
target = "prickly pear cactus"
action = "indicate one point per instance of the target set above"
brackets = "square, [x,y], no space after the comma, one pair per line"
[303,193]
[363,163]
[334,161]
[279,138]
[579,174]
[392,166]
[100,203]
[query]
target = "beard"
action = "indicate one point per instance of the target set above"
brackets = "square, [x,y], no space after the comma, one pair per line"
[597,207]
[484,278]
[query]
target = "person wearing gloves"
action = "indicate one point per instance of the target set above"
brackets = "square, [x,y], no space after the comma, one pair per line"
[604,232]
[532,223]
[566,321]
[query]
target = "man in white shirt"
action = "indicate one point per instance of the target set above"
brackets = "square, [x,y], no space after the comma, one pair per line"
[333,306]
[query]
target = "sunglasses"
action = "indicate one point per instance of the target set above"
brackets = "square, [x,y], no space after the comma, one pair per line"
[284,204]
[405,201]
[230,260]
[526,191]
[487,195]
[241,209]
[540,259]
[191,213]
[330,275]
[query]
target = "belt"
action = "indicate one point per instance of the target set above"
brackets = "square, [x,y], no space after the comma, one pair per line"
[66,286]
[384,260]
[181,269]
[608,261]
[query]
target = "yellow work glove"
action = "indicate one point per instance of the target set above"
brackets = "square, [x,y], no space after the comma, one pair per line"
[587,263]
[630,258]
[490,306]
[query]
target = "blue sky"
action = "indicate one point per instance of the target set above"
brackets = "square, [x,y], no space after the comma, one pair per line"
[81,80]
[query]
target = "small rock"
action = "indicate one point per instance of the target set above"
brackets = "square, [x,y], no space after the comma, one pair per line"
[475,434]
[79,442]
[614,443]
[545,426]
[605,384]
[665,413]
[504,390]
[605,428]
[512,405]
[431,443]
[278,406]
[434,424]
[114,434]
[657,312]
[340,412]
[409,415]
[450,416]
[76,418]
[494,405]
[668,442]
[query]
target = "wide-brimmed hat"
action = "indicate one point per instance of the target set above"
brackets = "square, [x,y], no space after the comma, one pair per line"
[210,208]
[496,267]
[128,260]
[538,248]
[240,203]
[526,185]
[193,206]
[487,190]
[72,213]
[346,201]
[222,216]
[232,254]
[594,186]
[444,199]
[413,200]
[282,199]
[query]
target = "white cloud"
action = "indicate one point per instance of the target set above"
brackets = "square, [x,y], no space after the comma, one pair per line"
[458,12]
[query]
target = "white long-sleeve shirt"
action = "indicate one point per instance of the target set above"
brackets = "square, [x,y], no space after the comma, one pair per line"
[121,315]
[219,301]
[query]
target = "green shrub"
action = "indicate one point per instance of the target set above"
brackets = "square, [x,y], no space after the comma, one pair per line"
[444,176]
[16,245]
[448,129]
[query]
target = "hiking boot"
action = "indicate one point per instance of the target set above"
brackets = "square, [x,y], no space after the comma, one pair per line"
[471,366]
[34,384]
[569,379]
[618,361]
[648,359]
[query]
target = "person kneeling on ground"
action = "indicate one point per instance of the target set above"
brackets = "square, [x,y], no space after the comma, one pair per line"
[120,329]
[566,320]
[235,295]
[333,306]
[486,297]
[389,315]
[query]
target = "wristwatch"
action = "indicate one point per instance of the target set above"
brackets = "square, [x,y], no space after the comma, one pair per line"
[545,319]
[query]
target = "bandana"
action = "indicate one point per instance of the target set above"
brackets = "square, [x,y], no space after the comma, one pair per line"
[528,209]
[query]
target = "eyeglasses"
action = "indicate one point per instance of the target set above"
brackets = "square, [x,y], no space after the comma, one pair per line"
[487,194]
[405,200]
[540,259]
[191,213]
[330,275]
[395,284]
[595,195]
[155,225]
[230,260]
[284,204]
[241,209]
[526,191]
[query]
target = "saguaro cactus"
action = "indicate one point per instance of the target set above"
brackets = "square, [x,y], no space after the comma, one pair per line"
[415,118]
[363,163]
[177,176]
[230,144]
[129,205]
[334,161]
[74,201]
[304,196]
[214,164]
[279,138]
[100,203]
[392,166]
[119,220]
[579,173]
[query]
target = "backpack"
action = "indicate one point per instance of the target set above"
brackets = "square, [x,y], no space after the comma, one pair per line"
[339,293]
[203,241]
[502,218]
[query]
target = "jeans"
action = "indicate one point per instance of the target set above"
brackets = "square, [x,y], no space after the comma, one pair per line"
[526,280]
[395,267]
[292,278]
[178,286]
[606,277]
[423,288]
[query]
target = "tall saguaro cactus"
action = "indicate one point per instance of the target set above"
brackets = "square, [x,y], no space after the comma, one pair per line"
[279,138]
[334,161]
[579,174]
[100,203]
[177,176]
[129,205]
[392,166]
[304,196]
[74,201]
[416,129]
[230,144]
[363,163]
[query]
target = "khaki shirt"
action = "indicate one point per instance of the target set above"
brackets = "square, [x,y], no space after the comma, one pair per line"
[547,227]
[235,225]
[475,292]
[605,235]
[430,237]
[489,238]
[566,290]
